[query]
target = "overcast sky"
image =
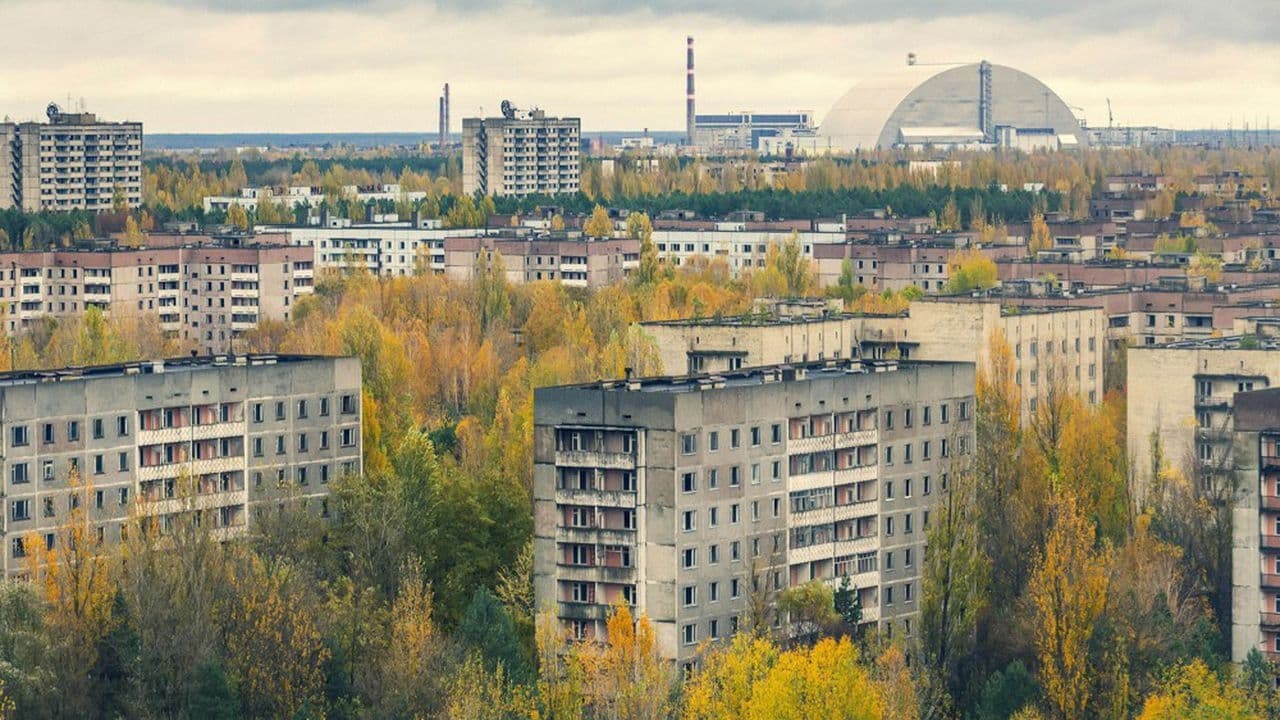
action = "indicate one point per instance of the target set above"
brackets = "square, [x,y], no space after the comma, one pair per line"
[377,65]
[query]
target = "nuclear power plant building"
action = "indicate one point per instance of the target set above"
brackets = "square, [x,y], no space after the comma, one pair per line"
[972,105]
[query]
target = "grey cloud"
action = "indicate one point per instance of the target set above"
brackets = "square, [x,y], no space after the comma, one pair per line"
[1238,20]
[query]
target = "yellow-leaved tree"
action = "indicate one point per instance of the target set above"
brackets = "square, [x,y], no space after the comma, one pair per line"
[626,679]
[828,676]
[1195,691]
[598,225]
[723,688]
[1068,592]
[1040,238]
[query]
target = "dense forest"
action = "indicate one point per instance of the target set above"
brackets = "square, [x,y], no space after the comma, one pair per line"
[1050,589]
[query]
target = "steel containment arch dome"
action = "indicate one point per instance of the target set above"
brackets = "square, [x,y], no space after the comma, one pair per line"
[943,100]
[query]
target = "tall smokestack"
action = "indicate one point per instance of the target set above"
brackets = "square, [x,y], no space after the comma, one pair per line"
[689,111]
[440,127]
[444,140]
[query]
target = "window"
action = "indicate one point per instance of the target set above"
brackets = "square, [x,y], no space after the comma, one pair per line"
[888,560]
[775,433]
[906,558]
[888,526]
[98,430]
[906,453]
[280,414]
[942,411]
[924,449]
[755,473]
[688,444]
[99,467]
[73,430]
[20,510]
[735,513]
[47,433]
[257,412]
[755,437]
[735,438]
[689,558]
[777,471]
[302,442]
[348,437]
[18,474]
[19,548]
[324,407]
[713,517]
[122,496]
[713,478]
[18,436]
[690,593]
[279,444]
[257,447]
[713,441]
[888,596]
[735,589]
[348,405]
[888,419]
[735,552]
[924,481]
[713,555]
[713,592]
[735,476]
[122,462]
[689,521]
[302,409]
[122,425]
[906,488]
[888,455]
[777,507]
[964,410]
[755,510]
[906,418]
[46,471]
[906,523]
[906,592]
[690,634]
[924,415]
[689,482]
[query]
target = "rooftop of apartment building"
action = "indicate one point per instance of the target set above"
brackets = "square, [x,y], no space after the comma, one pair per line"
[758,376]
[150,367]
[1232,342]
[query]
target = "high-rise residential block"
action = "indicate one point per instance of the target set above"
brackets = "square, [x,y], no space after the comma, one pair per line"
[698,500]
[521,153]
[1255,552]
[217,436]
[73,162]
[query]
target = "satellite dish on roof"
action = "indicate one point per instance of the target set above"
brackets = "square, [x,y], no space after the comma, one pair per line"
[53,111]
[508,110]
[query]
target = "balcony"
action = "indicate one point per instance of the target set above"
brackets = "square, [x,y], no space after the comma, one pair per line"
[1270,619]
[594,459]
[1271,542]
[1270,580]
[211,431]
[830,478]
[569,610]
[818,443]
[595,573]
[1270,502]
[595,536]
[601,498]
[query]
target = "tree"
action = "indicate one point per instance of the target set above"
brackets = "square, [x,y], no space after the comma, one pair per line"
[810,607]
[727,681]
[949,220]
[848,605]
[625,677]
[640,228]
[598,225]
[955,584]
[275,652]
[237,217]
[1194,692]
[213,698]
[972,270]
[1006,692]
[25,653]
[1068,593]
[488,628]
[827,676]
[560,676]
[1041,238]
[410,683]
[133,237]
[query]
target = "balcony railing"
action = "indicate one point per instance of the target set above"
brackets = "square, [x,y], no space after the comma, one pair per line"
[1270,580]
[1270,502]
[1271,619]
[1271,541]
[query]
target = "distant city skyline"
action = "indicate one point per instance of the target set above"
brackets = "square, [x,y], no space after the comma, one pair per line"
[378,65]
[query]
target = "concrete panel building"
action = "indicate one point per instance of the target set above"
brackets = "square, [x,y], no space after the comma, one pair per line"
[1180,395]
[690,497]
[1255,553]
[218,436]
[1051,345]
[210,295]
[567,258]
[521,154]
[72,162]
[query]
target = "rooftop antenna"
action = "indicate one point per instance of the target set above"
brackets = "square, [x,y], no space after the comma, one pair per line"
[1111,120]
